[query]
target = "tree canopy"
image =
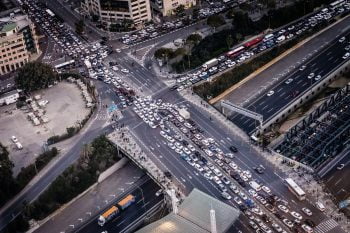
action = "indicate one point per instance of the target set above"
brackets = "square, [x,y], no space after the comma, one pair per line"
[215,21]
[34,76]
[193,39]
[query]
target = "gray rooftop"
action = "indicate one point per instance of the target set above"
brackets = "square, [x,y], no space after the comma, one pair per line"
[194,216]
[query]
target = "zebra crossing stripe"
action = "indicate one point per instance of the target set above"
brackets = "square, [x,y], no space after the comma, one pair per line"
[326,226]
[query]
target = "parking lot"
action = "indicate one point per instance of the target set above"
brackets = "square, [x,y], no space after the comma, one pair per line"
[64,109]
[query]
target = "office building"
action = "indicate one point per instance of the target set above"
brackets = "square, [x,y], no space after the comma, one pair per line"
[116,11]
[18,42]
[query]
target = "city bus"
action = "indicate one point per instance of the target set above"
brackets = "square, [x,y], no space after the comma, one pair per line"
[295,189]
[50,12]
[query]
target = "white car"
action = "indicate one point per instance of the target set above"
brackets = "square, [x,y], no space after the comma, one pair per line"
[226,195]
[341,40]
[296,215]
[307,228]
[126,71]
[288,223]
[346,55]
[307,211]
[266,189]
[283,208]
[14,139]
[289,81]
[270,93]
[311,75]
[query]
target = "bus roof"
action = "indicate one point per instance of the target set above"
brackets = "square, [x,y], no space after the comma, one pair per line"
[294,186]
[126,200]
[110,211]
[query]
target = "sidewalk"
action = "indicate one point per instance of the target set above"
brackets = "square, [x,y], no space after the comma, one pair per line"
[97,197]
[123,137]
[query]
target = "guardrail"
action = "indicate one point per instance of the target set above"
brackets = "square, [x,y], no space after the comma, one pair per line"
[300,100]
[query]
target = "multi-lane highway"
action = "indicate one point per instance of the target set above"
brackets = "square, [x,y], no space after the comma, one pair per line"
[145,200]
[301,79]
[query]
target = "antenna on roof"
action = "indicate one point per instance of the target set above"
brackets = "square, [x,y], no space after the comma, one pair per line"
[212,220]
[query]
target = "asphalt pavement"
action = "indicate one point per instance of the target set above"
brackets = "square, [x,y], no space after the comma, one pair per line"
[145,199]
[321,64]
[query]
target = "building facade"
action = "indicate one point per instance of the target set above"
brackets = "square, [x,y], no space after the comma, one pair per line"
[18,42]
[116,11]
[167,7]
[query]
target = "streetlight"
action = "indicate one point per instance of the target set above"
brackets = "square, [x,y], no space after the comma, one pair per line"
[143,199]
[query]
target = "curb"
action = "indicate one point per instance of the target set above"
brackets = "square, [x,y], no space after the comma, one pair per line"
[269,64]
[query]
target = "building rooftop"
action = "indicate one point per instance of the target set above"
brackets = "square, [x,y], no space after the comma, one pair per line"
[194,216]
[10,22]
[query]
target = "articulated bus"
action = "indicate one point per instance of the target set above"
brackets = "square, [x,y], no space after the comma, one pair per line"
[295,189]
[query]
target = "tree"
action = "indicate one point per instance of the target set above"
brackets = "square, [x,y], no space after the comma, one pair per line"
[7,182]
[229,41]
[163,52]
[34,76]
[79,27]
[271,4]
[215,21]
[180,10]
[195,13]
[193,39]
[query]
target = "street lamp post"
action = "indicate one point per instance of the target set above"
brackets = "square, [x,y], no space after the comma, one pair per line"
[143,199]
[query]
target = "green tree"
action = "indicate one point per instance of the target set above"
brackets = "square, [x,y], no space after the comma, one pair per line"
[79,27]
[163,52]
[195,13]
[180,10]
[215,21]
[229,41]
[271,4]
[7,183]
[34,76]
[193,39]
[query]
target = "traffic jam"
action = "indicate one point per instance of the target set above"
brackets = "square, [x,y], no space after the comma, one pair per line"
[240,187]
[260,44]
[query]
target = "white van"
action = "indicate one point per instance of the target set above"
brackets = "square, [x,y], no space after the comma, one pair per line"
[320,206]
[268,37]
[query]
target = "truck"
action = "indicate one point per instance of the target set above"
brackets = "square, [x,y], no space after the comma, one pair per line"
[255,185]
[115,209]
[210,63]
[184,113]
[87,63]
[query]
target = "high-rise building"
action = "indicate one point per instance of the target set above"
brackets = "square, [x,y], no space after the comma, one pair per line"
[18,42]
[116,11]
[167,7]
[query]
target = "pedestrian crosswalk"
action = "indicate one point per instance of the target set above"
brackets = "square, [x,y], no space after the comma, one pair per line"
[326,226]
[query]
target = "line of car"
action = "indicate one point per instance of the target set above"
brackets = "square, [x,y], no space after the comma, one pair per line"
[204,155]
[258,45]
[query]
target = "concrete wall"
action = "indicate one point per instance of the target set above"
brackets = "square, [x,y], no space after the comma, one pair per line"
[304,97]
[112,169]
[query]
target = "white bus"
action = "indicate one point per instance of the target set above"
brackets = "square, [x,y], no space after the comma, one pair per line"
[64,64]
[337,3]
[50,12]
[295,189]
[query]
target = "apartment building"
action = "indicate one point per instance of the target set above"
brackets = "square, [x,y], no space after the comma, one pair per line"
[18,42]
[167,7]
[115,11]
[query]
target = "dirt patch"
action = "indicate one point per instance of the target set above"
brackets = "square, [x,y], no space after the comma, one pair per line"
[64,109]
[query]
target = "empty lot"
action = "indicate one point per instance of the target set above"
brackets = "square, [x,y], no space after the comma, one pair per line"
[65,108]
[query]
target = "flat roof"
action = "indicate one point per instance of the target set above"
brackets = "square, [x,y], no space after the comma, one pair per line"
[194,216]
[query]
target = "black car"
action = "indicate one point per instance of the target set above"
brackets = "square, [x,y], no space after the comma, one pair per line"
[243,207]
[233,149]
[259,170]
[174,87]
[310,222]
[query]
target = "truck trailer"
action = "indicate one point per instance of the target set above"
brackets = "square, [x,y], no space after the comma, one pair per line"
[115,210]
[210,63]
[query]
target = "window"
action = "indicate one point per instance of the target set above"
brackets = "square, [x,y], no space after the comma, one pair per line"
[142,12]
